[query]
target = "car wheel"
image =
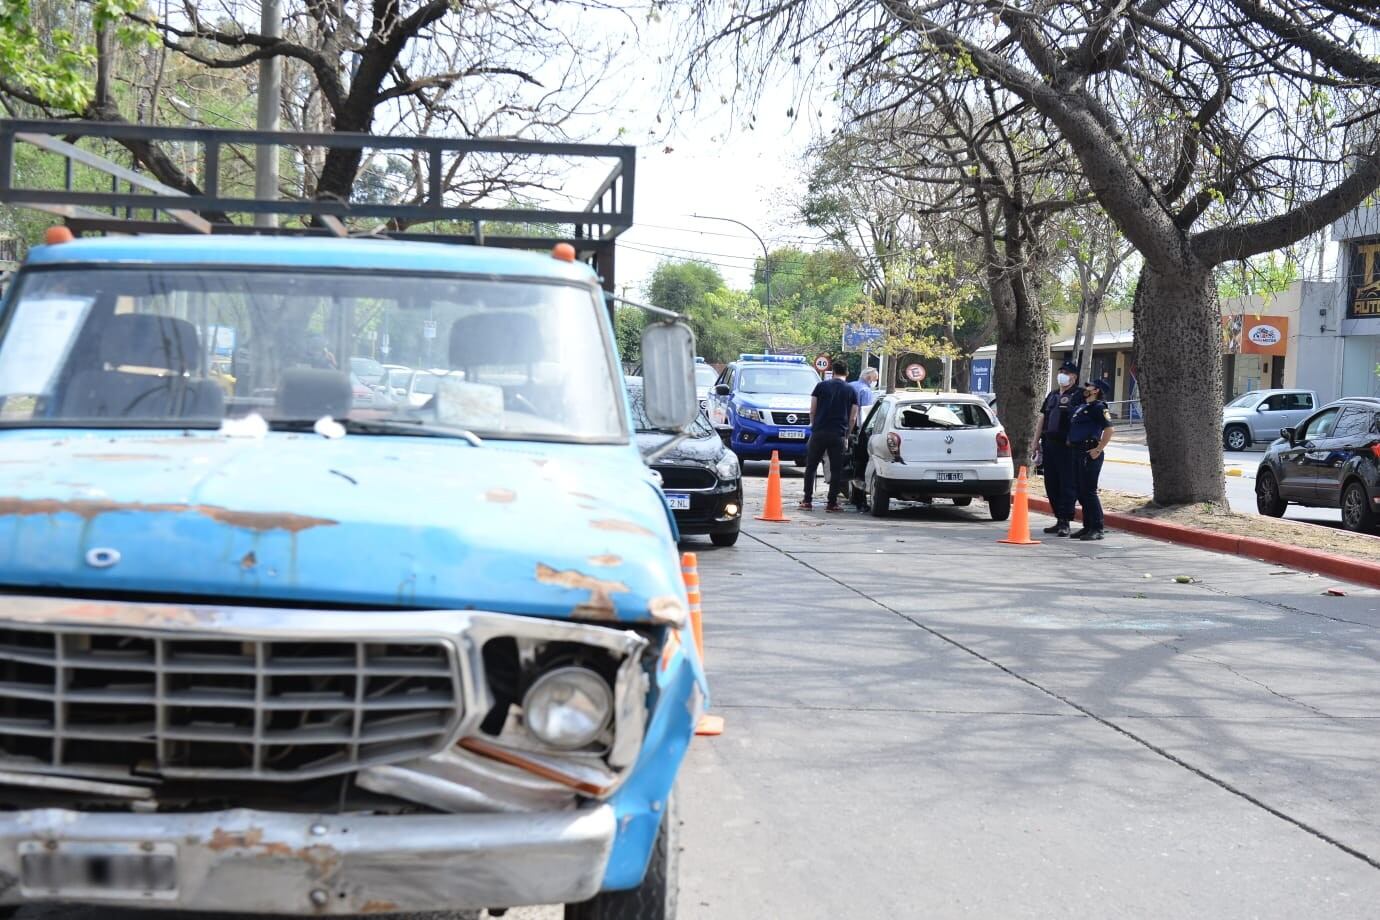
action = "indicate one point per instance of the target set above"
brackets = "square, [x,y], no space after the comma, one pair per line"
[1236,438]
[999,506]
[724,539]
[879,499]
[1267,500]
[963,502]
[655,898]
[1356,513]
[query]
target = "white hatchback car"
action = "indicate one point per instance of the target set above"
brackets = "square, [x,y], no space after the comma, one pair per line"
[916,446]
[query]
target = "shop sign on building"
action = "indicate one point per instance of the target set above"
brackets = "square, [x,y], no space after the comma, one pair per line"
[1363,284]
[1248,334]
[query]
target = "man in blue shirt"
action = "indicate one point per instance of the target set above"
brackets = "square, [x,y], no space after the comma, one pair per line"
[833,413]
[865,387]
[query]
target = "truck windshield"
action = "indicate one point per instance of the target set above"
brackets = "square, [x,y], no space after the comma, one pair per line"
[797,380]
[177,348]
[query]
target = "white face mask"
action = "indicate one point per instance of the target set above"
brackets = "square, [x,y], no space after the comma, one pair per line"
[1064,380]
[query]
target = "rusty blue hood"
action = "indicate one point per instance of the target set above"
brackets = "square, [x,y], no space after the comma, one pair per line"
[567,531]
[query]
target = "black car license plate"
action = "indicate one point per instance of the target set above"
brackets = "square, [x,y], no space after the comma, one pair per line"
[138,871]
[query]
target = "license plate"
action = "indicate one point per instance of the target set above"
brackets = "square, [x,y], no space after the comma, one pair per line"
[950,477]
[678,501]
[793,434]
[138,871]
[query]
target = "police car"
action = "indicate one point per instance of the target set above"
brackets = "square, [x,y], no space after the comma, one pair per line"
[761,404]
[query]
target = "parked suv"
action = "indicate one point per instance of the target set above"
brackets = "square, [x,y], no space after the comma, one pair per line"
[761,404]
[1257,417]
[1332,460]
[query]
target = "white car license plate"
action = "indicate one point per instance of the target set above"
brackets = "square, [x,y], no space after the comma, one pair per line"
[678,501]
[949,477]
[794,434]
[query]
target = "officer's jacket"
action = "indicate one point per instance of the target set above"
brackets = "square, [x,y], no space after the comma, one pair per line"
[1088,421]
[1063,404]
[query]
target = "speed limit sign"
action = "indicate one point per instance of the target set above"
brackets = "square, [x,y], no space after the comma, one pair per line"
[822,363]
[915,372]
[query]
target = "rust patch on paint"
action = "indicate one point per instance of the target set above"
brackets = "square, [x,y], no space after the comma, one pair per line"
[601,590]
[249,561]
[500,496]
[56,610]
[608,560]
[667,609]
[613,525]
[222,840]
[378,907]
[88,508]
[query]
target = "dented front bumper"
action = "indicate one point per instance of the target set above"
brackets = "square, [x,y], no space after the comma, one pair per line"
[319,865]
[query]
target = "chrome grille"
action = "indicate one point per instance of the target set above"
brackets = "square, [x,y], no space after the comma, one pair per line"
[781,418]
[103,702]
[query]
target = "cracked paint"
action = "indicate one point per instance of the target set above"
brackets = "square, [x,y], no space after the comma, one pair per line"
[88,508]
[616,526]
[601,590]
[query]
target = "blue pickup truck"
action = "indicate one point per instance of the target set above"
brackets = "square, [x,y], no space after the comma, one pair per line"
[272,644]
[761,405]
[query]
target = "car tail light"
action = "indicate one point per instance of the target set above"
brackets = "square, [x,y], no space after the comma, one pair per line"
[893,444]
[1003,444]
[1375,450]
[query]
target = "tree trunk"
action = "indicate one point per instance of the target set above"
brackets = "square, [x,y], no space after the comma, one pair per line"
[1092,306]
[1178,333]
[1022,365]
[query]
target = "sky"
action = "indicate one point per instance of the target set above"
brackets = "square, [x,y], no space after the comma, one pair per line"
[707,162]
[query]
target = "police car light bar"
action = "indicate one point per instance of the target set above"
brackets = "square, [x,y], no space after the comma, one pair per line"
[774,359]
[699,359]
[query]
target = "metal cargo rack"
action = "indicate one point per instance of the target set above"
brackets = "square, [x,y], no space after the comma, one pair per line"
[137,203]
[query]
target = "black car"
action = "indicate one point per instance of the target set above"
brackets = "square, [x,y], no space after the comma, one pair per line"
[1331,460]
[700,477]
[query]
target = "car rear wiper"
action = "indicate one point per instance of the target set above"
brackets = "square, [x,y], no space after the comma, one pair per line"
[409,427]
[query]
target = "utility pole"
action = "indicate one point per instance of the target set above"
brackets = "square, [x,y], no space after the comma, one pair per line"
[766,268]
[270,106]
[948,359]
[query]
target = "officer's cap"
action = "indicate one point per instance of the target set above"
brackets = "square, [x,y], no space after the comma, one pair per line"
[1069,367]
[1103,386]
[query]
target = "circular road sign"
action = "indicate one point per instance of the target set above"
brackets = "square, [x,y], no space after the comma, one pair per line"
[915,372]
[822,363]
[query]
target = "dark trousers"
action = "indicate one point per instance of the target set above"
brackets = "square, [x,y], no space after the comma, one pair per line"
[1086,472]
[1059,475]
[820,445]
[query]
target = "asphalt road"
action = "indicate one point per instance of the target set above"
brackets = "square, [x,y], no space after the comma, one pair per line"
[1128,470]
[924,723]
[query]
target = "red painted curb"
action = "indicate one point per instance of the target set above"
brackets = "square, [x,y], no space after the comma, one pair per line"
[1310,560]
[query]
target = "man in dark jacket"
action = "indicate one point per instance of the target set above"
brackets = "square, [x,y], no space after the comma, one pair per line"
[1055,453]
[833,413]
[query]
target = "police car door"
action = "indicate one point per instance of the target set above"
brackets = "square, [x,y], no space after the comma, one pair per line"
[718,402]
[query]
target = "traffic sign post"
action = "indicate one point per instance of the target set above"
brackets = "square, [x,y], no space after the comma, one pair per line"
[915,373]
[861,336]
[822,363]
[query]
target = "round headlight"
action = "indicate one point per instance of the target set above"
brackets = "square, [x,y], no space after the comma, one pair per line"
[567,708]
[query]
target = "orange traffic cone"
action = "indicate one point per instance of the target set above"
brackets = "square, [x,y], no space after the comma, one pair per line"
[773,511]
[690,572]
[1019,532]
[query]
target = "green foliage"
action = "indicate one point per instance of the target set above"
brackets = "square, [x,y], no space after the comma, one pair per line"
[54,66]
[628,323]
[1263,276]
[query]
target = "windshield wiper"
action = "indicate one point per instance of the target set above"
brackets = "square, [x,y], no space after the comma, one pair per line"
[409,427]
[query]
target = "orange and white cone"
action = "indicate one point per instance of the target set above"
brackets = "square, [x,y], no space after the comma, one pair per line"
[690,572]
[1018,534]
[772,512]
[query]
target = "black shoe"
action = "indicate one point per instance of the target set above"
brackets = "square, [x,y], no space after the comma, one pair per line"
[1091,535]
[1081,534]
[1060,526]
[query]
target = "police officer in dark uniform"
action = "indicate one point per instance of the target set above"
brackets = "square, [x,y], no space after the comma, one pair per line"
[1056,457]
[1090,428]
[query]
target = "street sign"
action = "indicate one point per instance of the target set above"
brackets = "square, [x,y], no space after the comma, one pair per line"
[915,372]
[822,363]
[861,337]
[428,328]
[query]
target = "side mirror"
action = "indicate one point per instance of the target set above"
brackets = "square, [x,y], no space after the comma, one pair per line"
[722,389]
[1288,435]
[669,396]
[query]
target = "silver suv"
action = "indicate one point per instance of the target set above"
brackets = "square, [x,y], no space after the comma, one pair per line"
[1258,416]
